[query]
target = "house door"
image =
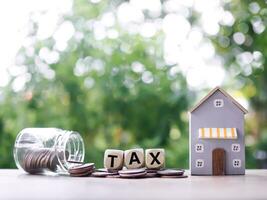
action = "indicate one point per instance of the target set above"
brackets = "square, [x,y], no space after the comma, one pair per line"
[218,162]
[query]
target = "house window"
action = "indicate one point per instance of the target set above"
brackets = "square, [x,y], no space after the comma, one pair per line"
[218,103]
[199,163]
[236,163]
[199,148]
[235,147]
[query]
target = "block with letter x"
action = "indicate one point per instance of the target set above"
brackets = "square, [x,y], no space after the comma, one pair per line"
[113,159]
[155,158]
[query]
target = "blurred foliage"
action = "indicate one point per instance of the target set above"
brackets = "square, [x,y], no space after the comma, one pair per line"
[118,92]
[243,47]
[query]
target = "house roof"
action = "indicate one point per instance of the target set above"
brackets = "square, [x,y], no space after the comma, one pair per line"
[225,94]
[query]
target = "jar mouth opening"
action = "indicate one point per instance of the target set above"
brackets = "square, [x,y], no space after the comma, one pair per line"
[70,149]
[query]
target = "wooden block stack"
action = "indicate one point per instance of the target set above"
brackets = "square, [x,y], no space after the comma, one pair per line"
[134,159]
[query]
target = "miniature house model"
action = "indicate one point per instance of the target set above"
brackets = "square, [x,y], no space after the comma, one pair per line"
[217,135]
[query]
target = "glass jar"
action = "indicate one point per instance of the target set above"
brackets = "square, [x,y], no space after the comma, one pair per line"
[45,150]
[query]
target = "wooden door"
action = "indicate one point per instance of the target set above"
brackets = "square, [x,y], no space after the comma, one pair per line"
[218,162]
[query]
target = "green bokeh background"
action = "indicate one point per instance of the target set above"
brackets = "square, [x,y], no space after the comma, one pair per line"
[120,110]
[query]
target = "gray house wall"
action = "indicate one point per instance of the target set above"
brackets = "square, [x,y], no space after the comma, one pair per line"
[208,116]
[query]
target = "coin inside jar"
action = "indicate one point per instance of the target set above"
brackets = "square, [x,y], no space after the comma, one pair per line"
[37,160]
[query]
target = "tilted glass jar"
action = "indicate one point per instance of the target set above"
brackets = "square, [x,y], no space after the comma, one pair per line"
[46,150]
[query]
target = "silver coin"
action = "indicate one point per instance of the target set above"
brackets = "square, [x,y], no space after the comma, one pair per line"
[170,172]
[113,176]
[151,175]
[132,171]
[152,170]
[82,168]
[99,174]
[182,176]
[134,175]
[85,174]
[107,170]
[101,170]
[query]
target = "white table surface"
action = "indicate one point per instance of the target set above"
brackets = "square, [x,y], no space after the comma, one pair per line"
[15,184]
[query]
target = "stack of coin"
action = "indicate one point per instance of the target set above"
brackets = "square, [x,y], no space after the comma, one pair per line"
[82,170]
[133,173]
[103,172]
[171,173]
[36,160]
[151,173]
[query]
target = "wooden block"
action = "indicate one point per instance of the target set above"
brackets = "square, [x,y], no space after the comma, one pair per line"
[113,159]
[155,158]
[134,158]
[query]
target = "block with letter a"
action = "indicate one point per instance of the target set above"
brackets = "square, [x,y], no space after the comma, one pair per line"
[134,158]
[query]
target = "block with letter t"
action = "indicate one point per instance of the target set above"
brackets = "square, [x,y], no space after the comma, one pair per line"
[113,159]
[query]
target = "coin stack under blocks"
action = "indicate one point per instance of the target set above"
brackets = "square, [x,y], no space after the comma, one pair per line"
[137,163]
[132,163]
